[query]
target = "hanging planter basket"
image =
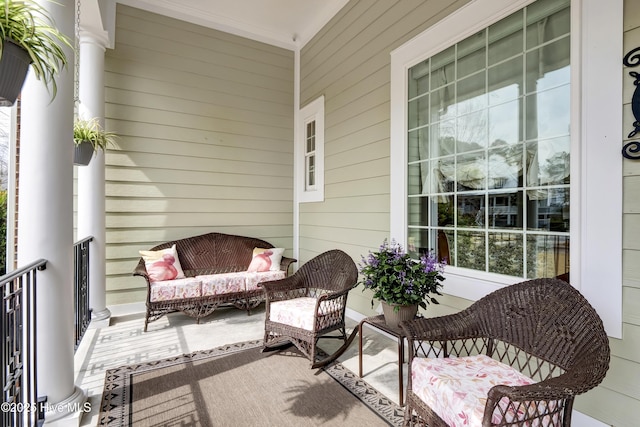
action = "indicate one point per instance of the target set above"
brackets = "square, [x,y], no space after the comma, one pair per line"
[83,153]
[14,66]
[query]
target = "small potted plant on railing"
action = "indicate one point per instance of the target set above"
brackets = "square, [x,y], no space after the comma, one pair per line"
[89,137]
[28,36]
[401,283]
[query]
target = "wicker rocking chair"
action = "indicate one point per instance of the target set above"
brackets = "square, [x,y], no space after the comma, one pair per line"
[311,303]
[533,347]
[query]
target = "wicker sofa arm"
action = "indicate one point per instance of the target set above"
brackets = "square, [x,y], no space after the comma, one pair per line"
[141,270]
[285,263]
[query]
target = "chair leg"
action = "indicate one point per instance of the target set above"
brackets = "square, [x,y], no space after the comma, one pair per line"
[146,320]
[407,415]
[314,349]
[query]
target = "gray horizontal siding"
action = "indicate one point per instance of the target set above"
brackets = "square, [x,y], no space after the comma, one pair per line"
[348,62]
[205,125]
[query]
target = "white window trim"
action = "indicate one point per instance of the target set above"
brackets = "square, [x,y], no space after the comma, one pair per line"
[314,111]
[596,138]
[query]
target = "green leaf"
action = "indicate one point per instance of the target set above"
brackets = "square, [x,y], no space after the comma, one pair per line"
[29,25]
[90,130]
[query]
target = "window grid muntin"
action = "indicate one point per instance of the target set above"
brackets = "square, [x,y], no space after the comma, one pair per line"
[523,139]
[309,156]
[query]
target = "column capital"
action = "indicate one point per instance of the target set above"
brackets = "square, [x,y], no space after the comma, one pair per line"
[94,36]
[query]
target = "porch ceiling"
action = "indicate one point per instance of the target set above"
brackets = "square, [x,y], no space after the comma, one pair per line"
[284,23]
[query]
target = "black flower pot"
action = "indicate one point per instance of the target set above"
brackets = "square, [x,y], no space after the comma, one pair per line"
[83,153]
[14,66]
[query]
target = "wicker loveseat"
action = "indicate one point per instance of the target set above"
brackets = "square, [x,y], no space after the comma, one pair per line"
[215,269]
[517,357]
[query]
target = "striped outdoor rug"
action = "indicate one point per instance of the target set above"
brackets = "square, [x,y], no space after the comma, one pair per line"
[237,385]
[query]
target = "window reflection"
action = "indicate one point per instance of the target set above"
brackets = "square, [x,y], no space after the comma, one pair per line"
[489,146]
[504,125]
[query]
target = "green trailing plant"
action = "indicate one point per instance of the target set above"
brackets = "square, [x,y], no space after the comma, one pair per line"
[29,26]
[90,130]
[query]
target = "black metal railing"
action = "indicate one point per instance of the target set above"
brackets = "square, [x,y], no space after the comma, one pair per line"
[81,294]
[21,405]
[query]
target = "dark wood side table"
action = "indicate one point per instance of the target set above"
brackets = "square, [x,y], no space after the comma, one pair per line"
[379,323]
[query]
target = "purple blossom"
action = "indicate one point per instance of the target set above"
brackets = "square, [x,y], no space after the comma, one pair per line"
[409,289]
[395,277]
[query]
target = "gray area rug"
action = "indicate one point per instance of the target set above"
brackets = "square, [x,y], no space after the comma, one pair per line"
[238,385]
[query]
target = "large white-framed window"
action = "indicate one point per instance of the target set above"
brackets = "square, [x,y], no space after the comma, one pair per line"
[514,190]
[310,152]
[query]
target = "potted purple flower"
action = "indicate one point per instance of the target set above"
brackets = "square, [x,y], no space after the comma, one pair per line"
[401,283]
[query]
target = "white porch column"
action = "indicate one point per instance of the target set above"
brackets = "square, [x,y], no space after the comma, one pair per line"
[45,223]
[91,191]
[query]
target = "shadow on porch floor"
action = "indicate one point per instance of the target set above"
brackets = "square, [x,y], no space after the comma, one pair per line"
[123,342]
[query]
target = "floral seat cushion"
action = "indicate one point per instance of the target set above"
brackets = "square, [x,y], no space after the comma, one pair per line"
[241,281]
[296,312]
[299,313]
[219,284]
[167,290]
[456,388]
[263,276]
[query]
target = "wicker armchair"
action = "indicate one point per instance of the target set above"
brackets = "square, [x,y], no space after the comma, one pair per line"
[542,328]
[311,303]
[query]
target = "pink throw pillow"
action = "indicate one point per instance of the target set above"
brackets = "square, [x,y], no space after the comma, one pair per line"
[163,264]
[266,259]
